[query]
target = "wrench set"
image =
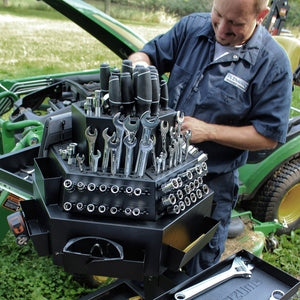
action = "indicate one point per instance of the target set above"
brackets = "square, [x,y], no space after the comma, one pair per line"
[128,156]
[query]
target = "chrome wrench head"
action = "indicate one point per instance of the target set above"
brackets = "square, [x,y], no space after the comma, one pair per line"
[94,161]
[179,119]
[106,138]
[91,139]
[148,124]
[119,135]
[130,127]
[113,146]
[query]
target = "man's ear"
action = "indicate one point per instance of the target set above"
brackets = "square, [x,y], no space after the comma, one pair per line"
[262,15]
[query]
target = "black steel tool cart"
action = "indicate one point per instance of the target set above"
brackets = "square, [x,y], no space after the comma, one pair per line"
[116,188]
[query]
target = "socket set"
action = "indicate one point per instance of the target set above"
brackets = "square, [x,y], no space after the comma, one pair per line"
[129,158]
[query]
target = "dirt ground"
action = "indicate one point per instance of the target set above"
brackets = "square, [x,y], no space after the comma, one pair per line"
[249,240]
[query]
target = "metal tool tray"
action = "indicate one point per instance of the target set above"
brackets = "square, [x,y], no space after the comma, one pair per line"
[264,280]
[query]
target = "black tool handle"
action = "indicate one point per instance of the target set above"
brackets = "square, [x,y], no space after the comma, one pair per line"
[127,93]
[143,91]
[115,100]
[164,95]
[104,77]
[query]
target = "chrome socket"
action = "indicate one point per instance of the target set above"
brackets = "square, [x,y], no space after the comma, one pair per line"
[102,188]
[80,186]
[136,212]
[137,192]
[173,210]
[102,209]
[181,205]
[113,210]
[179,194]
[91,187]
[68,185]
[168,200]
[187,201]
[205,189]
[129,190]
[90,208]
[115,189]
[193,197]
[67,206]
[80,206]
[127,211]
[171,185]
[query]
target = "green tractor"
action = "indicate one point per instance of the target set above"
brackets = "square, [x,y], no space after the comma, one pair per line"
[270,181]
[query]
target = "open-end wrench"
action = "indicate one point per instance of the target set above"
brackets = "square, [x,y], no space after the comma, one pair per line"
[113,146]
[119,135]
[187,138]
[91,138]
[148,124]
[163,155]
[131,128]
[175,143]
[142,158]
[181,144]
[106,151]
[153,138]
[171,156]
[129,154]
[237,269]
[80,160]
[164,129]
[179,119]
[95,160]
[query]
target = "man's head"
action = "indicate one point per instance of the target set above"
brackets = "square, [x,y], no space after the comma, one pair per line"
[234,21]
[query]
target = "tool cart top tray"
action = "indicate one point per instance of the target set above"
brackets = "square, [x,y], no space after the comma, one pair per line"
[264,280]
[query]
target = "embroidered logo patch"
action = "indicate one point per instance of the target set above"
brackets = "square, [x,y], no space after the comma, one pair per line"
[236,81]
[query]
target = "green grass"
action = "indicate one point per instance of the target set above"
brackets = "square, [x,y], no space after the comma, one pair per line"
[35,45]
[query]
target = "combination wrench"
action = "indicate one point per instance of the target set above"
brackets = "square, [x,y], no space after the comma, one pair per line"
[114,147]
[129,144]
[187,138]
[148,124]
[94,161]
[142,158]
[164,129]
[237,269]
[91,138]
[131,127]
[119,136]
[106,151]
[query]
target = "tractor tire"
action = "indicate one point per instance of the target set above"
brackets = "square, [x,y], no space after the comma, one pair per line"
[279,198]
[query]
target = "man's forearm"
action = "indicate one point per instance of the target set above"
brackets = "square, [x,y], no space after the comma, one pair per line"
[139,58]
[244,138]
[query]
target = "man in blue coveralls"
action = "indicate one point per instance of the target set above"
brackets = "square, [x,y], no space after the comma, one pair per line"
[233,83]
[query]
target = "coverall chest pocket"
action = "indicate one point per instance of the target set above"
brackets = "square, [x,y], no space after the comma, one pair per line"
[227,106]
[178,83]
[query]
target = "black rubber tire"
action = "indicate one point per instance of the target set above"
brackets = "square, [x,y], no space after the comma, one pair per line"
[265,205]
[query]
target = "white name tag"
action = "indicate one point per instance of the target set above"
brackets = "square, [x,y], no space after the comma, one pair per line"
[236,81]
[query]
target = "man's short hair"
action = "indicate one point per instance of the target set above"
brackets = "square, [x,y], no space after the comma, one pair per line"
[260,5]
